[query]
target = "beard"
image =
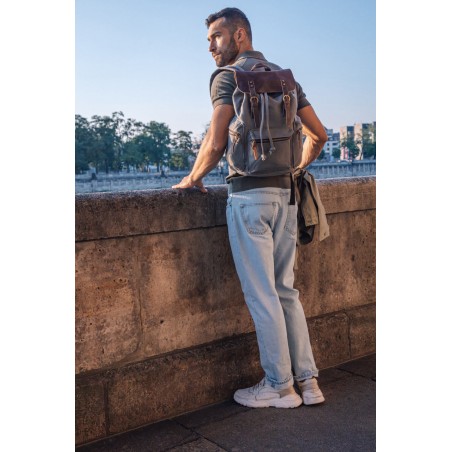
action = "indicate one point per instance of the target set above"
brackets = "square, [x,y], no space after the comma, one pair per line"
[228,55]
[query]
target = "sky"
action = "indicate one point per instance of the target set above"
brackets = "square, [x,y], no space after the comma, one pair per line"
[150,60]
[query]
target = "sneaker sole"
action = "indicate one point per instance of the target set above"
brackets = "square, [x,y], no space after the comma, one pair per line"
[290,401]
[313,400]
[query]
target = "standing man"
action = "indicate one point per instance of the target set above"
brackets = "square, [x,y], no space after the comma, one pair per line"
[262,228]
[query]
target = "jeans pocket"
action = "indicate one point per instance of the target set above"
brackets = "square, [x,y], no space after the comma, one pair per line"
[291,220]
[258,218]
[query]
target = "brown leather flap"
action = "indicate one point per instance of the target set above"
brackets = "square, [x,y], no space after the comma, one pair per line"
[265,82]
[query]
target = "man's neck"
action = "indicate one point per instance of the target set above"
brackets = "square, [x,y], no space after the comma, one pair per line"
[242,51]
[245,48]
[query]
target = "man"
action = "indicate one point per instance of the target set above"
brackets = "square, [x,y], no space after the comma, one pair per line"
[262,228]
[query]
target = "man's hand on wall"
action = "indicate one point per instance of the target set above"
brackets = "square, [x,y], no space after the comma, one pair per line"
[187,182]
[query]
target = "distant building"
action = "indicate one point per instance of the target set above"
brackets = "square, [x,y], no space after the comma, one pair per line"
[346,132]
[366,131]
[332,143]
[357,132]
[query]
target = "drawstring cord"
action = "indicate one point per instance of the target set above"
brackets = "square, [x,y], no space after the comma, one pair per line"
[262,124]
[264,117]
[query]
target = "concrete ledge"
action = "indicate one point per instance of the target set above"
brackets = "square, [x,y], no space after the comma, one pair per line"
[123,214]
[348,194]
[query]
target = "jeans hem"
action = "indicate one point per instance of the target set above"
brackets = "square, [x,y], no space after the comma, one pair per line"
[287,383]
[306,375]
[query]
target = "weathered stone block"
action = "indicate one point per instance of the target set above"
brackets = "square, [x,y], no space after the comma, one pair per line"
[362,330]
[339,272]
[174,384]
[329,339]
[107,312]
[90,421]
[190,293]
[138,297]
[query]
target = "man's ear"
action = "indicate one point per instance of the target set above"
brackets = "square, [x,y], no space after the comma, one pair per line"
[241,35]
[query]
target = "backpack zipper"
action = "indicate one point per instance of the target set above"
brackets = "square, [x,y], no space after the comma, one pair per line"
[264,140]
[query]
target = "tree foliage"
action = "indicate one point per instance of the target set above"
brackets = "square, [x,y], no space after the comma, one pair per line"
[85,143]
[115,143]
[183,147]
[351,147]
[336,152]
[369,142]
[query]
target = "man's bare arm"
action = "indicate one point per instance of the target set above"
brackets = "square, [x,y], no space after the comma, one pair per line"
[315,133]
[212,148]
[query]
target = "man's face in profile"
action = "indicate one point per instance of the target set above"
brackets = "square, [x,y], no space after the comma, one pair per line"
[222,46]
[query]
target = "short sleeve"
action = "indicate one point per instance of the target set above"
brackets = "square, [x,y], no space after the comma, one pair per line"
[302,101]
[222,88]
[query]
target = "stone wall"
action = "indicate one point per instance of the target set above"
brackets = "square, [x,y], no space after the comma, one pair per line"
[161,324]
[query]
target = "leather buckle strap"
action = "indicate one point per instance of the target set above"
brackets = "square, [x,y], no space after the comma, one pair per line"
[286,99]
[254,103]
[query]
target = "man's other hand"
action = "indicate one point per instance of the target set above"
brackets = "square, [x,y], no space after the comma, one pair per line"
[187,182]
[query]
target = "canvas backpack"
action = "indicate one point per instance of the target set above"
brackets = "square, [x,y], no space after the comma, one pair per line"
[265,136]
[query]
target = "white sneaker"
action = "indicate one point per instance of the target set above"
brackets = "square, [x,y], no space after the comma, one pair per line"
[311,392]
[263,395]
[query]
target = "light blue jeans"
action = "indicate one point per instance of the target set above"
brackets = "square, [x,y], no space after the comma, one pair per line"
[262,230]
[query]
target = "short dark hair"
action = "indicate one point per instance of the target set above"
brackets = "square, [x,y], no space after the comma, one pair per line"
[234,18]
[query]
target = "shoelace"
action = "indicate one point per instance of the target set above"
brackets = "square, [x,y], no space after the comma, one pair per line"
[258,385]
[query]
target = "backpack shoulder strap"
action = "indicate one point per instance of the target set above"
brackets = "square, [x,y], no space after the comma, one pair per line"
[254,98]
[233,69]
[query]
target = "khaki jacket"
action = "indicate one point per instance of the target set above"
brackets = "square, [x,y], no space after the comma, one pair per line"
[311,212]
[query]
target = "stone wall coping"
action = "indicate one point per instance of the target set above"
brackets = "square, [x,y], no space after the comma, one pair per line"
[131,213]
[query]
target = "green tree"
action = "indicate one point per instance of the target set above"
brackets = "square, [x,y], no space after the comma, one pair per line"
[84,143]
[106,142]
[369,142]
[370,150]
[112,135]
[350,145]
[336,152]
[183,145]
[131,155]
[153,143]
